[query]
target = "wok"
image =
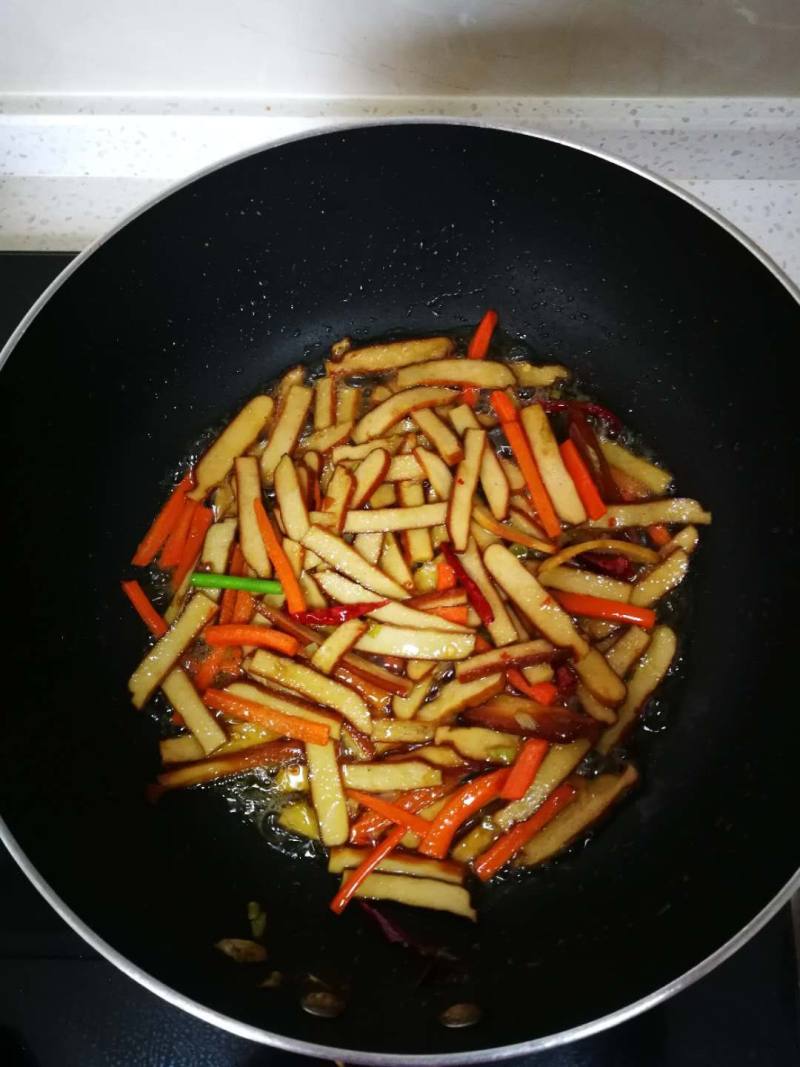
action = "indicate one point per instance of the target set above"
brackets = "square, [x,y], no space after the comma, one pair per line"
[161,331]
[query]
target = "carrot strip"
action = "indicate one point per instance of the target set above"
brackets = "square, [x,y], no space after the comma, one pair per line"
[173,549]
[579,473]
[231,660]
[145,610]
[503,407]
[481,339]
[445,577]
[244,607]
[380,852]
[518,441]
[260,636]
[598,607]
[482,645]
[295,601]
[485,519]
[314,733]
[524,769]
[370,824]
[477,349]
[207,669]
[659,534]
[223,659]
[228,601]
[163,523]
[499,853]
[201,520]
[392,812]
[461,805]
[542,692]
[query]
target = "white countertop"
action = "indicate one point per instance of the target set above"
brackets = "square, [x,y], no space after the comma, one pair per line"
[71,166]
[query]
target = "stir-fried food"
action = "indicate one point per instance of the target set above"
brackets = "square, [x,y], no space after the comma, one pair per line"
[427,595]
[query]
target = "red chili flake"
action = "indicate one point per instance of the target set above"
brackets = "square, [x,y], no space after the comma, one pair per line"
[566,682]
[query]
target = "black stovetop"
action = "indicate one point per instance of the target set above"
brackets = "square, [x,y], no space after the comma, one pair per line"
[63,1006]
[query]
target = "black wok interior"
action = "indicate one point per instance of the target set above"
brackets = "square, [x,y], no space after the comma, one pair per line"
[195,305]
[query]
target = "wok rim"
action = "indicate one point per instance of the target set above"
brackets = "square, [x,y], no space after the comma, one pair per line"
[296,1045]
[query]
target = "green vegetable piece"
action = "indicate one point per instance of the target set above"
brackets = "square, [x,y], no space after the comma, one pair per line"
[203,580]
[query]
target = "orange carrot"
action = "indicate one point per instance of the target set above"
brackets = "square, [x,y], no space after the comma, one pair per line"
[498,854]
[173,548]
[521,448]
[524,769]
[236,565]
[228,601]
[223,659]
[201,520]
[295,601]
[244,608]
[315,733]
[163,523]
[579,473]
[659,535]
[477,349]
[445,577]
[461,805]
[482,645]
[231,659]
[207,669]
[481,339]
[380,852]
[510,533]
[392,812]
[542,692]
[503,407]
[598,607]
[227,605]
[458,614]
[370,824]
[260,636]
[145,610]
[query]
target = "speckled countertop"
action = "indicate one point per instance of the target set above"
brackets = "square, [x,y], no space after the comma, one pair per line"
[71,166]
